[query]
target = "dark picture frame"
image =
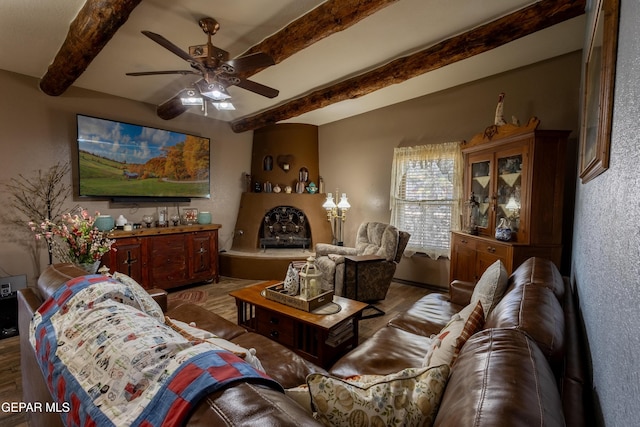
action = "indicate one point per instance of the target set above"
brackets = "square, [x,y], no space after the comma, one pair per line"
[598,82]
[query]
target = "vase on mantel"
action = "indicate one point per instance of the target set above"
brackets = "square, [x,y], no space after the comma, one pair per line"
[90,267]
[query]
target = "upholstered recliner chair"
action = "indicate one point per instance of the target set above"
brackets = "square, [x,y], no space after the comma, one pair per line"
[374,275]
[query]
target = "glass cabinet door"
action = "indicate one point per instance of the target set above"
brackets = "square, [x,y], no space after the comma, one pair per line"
[480,174]
[509,190]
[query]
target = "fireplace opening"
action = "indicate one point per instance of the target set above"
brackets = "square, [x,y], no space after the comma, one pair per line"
[285,227]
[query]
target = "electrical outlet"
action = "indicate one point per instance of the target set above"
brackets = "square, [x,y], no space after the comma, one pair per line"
[11,284]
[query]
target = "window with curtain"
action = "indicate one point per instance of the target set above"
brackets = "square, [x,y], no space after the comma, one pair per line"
[426,186]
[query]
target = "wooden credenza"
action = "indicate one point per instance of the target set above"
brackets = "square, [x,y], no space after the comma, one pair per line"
[166,257]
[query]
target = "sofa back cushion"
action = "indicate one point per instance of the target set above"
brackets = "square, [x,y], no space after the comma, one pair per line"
[539,272]
[501,378]
[535,311]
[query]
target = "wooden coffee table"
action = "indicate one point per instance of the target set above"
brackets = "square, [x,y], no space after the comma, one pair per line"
[319,338]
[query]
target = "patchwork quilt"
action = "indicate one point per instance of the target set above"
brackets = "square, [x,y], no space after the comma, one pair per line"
[114,364]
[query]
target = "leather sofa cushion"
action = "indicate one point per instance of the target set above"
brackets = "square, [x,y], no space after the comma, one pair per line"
[501,378]
[207,320]
[247,404]
[388,351]
[427,316]
[536,311]
[283,365]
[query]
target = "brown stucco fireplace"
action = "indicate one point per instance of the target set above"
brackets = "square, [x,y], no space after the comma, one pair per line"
[280,153]
[255,206]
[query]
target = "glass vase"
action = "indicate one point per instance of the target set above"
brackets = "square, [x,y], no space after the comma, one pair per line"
[90,267]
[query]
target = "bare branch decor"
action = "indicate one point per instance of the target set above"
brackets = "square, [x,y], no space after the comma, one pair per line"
[40,198]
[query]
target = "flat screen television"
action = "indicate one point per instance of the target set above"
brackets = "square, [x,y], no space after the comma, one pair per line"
[127,162]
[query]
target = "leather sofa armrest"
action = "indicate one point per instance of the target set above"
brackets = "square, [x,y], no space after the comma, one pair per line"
[160,296]
[460,292]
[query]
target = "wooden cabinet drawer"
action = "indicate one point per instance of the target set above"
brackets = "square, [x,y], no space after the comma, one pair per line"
[275,326]
[465,241]
[493,248]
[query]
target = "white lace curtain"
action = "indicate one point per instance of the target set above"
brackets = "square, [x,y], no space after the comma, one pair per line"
[426,187]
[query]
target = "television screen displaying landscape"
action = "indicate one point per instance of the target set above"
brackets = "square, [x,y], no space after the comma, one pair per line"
[119,159]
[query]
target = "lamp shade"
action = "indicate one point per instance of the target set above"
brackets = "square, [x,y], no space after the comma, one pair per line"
[329,203]
[344,203]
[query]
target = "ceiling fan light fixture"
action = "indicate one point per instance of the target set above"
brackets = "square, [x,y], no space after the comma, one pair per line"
[224,105]
[192,100]
[191,97]
[214,90]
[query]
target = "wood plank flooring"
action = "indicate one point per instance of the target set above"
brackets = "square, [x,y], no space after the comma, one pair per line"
[399,298]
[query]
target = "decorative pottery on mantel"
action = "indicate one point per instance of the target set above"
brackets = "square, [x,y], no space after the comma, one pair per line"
[311,188]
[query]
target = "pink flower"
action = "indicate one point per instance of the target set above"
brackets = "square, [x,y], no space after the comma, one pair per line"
[84,243]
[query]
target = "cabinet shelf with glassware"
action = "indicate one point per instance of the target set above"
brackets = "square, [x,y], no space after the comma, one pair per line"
[516,175]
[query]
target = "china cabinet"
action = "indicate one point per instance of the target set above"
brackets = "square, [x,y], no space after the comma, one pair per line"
[516,175]
[166,257]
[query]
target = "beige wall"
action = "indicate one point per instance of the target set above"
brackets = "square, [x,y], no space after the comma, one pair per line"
[38,130]
[356,153]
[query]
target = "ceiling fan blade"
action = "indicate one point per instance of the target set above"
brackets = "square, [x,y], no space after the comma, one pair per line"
[152,73]
[258,88]
[173,48]
[172,108]
[248,63]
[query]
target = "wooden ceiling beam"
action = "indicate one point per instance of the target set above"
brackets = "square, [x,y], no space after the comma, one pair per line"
[330,17]
[481,39]
[92,28]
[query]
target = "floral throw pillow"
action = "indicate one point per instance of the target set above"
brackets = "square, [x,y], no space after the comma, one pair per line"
[410,397]
[447,344]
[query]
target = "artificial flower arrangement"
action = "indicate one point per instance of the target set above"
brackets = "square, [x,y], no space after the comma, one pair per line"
[85,243]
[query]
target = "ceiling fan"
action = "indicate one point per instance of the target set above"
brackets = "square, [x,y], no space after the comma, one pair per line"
[216,69]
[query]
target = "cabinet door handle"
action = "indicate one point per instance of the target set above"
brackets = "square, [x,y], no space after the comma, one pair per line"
[463,241]
[274,334]
[490,249]
[274,321]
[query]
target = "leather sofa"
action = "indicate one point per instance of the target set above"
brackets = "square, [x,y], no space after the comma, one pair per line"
[525,367]
[240,404]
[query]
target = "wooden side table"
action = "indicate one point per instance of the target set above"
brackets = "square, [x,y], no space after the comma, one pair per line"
[351,279]
[319,338]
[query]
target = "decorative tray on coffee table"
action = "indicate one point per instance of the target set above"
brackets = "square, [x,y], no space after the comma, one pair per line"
[277,293]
